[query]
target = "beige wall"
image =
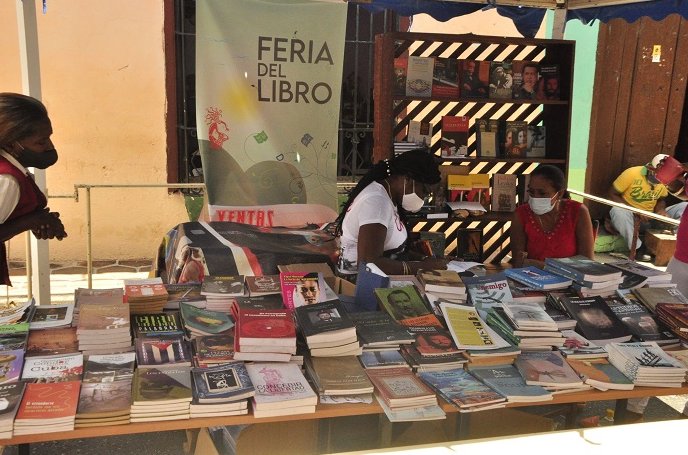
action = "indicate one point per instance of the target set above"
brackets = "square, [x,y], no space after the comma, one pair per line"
[103,81]
[481,23]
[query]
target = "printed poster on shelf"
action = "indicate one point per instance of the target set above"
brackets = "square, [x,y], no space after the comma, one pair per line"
[267,108]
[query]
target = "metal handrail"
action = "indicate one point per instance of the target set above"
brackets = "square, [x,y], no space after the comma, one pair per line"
[601,200]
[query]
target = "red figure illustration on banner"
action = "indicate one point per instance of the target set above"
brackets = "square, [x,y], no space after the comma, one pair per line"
[218,129]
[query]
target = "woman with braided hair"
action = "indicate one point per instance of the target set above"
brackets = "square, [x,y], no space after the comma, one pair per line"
[371,224]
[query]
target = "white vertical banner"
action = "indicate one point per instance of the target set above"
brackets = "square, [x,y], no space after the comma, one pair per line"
[268,82]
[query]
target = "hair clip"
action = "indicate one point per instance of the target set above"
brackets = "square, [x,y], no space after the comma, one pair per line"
[389,171]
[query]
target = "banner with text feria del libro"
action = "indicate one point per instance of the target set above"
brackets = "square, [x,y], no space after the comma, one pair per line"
[268,81]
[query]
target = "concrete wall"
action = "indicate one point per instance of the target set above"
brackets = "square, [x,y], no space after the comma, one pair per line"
[103,82]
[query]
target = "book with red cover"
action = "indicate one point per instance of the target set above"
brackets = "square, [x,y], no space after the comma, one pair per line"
[454,140]
[445,78]
[265,328]
[49,403]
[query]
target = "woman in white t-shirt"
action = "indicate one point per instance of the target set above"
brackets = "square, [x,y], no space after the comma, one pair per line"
[370,226]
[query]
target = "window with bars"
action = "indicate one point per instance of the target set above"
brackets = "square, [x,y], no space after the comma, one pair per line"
[356,108]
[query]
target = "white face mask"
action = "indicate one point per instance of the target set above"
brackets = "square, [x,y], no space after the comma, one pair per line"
[541,205]
[411,202]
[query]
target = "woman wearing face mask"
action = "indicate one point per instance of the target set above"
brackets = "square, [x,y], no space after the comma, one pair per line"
[25,131]
[370,226]
[549,226]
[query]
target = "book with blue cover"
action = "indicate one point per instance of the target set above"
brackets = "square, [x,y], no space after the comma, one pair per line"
[581,268]
[538,278]
[460,388]
[506,380]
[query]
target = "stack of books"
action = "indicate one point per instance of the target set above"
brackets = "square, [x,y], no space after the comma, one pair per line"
[403,396]
[166,350]
[161,394]
[507,381]
[526,325]
[675,317]
[434,349]
[145,295]
[221,390]
[338,376]
[202,321]
[184,292]
[57,368]
[49,342]
[502,356]
[265,335]
[13,312]
[576,346]
[646,364]
[220,290]
[263,302]
[463,390]
[47,408]
[212,350]
[595,320]
[281,389]
[488,291]
[104,328]
[653,277]
[257,286]
[444,284]
[590,278]
[51,316]
[383,359]
[105,397]
[328,330]
[11,395]
[600,374]
[650,297]
[549,370]
[639,321]
[377,330]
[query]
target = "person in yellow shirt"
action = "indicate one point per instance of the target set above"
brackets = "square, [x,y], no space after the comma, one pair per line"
[638,187]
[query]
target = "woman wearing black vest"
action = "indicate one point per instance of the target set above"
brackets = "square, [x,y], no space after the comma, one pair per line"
[25,132]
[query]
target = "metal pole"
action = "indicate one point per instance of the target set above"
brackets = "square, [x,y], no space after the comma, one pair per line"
[89,252]
[601,200]
[29,266]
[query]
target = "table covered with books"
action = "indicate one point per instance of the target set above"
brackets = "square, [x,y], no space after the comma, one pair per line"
[155,356]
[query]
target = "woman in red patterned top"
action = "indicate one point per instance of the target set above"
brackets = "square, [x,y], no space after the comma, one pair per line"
[550,225]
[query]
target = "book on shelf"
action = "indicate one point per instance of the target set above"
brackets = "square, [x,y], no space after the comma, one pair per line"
[155,388]
[382,359]
[219,286]
[504,192]
[458,387]
[537,278]
[650,297]
[302,288]
[11,364]
[468,330]
[547,369]
[400,76]
[458,187]
[399,387]
[420,132]
[338,375]
[47,407]
[10,397]
[454,136]
[156,324]
[601,374]
[279,386]
[406,306]
[581,269]
[595,320]
[653,275]
[47,342]
[419,76]
[222,383]
[445,78]
[480,190]
[525,82]
[501,80]
[199,321]
[549,84]
[516,139]
[375,328]
[326,322]
[640,322]
[69,367]
[213,349]
[537,142]
[57,315]
[263,285]
[435,241]
[487,137]
[507,381]
[474,79]
[164,351]
[576,346]
[441,281]
[272,328]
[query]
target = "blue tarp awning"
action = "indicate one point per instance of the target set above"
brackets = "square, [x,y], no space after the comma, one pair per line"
[528,19]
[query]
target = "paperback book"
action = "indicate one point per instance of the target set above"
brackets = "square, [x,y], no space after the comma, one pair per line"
[228,382]
[302,288]
[48,342]
[406,306]
[595,320]
[420,132]
[377,328]
[68,367]
[279,386]
[504,192]
[419,76]
[325,322]
[487,138]
[474,78]
[501,80]
[537,142]
[445,78]
[461,389]
[454,139]
[263,285]
[468,330]
[158,324]
[537,278]
[168,351]
[46,316]
[516,139]
[507,381]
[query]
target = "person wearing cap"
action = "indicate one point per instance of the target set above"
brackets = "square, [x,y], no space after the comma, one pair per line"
[639,187]
[371,224]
